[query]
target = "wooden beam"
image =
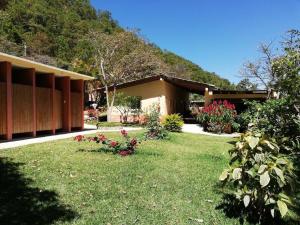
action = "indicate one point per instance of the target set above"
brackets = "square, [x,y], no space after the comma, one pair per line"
[52,99]
[66,92]
[29,74]
[78,86]
[6,76]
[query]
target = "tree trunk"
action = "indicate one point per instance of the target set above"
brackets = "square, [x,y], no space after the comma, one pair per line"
[111,104]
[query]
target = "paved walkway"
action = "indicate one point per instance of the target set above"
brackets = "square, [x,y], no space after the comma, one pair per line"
[196,129]
[89,129]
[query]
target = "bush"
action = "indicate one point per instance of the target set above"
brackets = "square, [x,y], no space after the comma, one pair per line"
[263,179]
[173,123]
[127,147]
[154,129]
[276,117]
[127,105]
[218,117]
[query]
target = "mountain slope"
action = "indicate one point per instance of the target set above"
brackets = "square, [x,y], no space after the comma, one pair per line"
[53,32]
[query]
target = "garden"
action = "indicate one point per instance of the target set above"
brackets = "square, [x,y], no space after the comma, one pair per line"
[160,175]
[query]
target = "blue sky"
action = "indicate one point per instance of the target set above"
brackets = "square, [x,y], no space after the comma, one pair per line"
[218,35]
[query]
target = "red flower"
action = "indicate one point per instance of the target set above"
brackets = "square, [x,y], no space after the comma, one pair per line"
[113,144]
[133,142]
[124,133]
[101,137]
[79,138]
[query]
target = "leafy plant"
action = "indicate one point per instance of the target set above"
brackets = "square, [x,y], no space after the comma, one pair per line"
[262,177]
[173,123]
[218,117]
[127,147]
[127,105]
[154,129]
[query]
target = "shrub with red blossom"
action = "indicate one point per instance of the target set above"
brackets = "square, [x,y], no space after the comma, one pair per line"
[125,148]
[218,117]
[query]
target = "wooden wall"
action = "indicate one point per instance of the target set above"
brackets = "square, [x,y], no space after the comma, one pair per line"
[76,111]
[43,109]
[31,101]
[23,115]
[2,108]
[58,109]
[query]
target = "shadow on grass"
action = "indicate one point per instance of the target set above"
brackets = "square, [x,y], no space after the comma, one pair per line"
[22,204]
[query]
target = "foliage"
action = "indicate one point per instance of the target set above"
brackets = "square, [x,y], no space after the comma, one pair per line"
[275,117]
[265,162]
[154,129]
[127,105]
[277,70]
[245,85]
[263,178]
[60,29]
[173,122]
[218,117]
[128,147]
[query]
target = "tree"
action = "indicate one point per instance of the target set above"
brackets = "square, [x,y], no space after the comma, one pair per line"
[245,85]
[261,71]
[127,105]
[120,57]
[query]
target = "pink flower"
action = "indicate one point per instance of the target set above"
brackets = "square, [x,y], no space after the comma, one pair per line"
[113,144]
[101,137]
[124,133]
[133,142]
[79,138]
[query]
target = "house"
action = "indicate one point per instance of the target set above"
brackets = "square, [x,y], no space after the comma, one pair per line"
[37,98]
[171,94]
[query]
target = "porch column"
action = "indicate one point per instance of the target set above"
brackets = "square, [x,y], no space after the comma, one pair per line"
[66,93]
[207,97]
[52,99]
[6,76]
[30,75]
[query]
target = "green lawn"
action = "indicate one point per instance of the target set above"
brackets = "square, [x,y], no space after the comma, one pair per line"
[64,182]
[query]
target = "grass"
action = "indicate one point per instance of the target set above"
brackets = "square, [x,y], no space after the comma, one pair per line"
[112,124]
[166,182]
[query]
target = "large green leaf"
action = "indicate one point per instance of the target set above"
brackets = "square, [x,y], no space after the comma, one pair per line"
[237,173]
[279,173]
[262,168]
[246,200]
[283,209]
[253,141]
[264,179]
[223,175]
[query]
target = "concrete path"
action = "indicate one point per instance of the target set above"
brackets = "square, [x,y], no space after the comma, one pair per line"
[89,129]
[196,129]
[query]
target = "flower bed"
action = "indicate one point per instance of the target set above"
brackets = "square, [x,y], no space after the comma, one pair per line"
[125,148]
[218,117]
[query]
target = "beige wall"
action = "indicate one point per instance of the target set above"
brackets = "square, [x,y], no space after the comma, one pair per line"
[170,98]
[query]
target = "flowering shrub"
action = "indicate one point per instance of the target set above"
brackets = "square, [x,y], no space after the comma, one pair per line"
[218,117]
[154,129]
[127,147]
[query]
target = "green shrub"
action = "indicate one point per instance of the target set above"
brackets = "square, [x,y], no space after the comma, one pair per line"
[263,179]
[154,129]
[173,123]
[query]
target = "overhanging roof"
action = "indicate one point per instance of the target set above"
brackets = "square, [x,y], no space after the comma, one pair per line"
[189,85]
[41,68]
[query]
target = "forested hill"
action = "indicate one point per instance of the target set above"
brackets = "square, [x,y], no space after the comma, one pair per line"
[52,32]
